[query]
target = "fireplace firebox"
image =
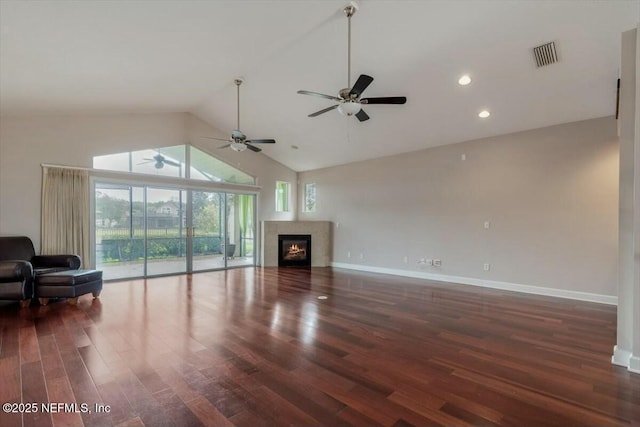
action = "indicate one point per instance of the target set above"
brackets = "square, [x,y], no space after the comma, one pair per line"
[294,250]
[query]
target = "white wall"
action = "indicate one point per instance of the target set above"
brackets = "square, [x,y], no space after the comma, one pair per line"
[549,194]
[27,142]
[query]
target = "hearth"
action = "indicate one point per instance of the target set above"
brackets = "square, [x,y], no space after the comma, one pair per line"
[294,250]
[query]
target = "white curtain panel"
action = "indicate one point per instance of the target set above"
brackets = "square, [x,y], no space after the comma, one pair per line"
[66,212]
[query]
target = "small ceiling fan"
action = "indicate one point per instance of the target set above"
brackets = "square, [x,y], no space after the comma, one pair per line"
[160,161]
[238,140]
[348,100]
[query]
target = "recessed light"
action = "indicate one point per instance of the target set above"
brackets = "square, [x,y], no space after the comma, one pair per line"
[484,114]
[323,297]
[464,80]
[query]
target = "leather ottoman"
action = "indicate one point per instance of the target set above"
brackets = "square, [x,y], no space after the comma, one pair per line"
[68,284]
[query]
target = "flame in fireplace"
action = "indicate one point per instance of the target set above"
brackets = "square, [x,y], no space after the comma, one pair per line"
[295,250]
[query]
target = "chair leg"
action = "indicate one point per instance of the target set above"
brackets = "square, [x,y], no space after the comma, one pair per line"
[25,303]
[43,301]
[96,294]
[72,301]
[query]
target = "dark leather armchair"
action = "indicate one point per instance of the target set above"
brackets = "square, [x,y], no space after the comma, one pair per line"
[19,265]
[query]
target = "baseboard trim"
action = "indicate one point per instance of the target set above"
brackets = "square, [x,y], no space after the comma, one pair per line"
[620,357]
[529,289]
[634,364]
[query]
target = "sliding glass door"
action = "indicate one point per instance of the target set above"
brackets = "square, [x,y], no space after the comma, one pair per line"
[240,229]
[208,232]
[166,237]
[223,230]
[120,230]
[145,231]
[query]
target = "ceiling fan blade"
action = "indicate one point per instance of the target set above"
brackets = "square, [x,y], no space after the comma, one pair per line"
[321,95]
[362,116]
[252,148]
[225,146]
[317,113]
[361,84]
[147,161]
[261,141]
[217,139]
[384,100]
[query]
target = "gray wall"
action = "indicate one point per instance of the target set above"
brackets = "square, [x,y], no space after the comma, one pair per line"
[27,142]
[550,195]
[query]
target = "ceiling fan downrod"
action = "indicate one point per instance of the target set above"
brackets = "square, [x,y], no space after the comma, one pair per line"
[349,11]
[238,82]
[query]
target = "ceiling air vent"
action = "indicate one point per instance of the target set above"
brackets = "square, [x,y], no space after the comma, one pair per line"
[545,54]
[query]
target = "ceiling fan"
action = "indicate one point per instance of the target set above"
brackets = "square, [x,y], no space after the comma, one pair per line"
[238,140]
[348,100]
[160,161]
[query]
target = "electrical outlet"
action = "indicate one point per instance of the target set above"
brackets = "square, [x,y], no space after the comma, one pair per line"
[430,262]
[348,254]
[361,255]
[406,260]
[486,267]
[487,225]
[437,262]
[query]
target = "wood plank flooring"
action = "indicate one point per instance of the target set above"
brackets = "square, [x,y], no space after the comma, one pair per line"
[256,347]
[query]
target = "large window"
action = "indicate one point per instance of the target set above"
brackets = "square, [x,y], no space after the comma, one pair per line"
[309,197]
[143,230]
[282,196]
[186,221]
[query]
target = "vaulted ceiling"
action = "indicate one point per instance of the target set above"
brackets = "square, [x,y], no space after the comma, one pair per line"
[72,57]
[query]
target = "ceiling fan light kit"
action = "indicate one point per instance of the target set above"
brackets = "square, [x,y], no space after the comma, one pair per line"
[348,100]
[238,146]
[349,108]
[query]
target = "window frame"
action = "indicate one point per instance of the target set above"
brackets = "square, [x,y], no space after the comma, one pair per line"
[305,197]
[282,198]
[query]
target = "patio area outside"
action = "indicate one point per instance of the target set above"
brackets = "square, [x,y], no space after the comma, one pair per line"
[173,265]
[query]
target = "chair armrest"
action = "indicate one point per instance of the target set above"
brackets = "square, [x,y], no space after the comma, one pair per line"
[71,262]
[12,271]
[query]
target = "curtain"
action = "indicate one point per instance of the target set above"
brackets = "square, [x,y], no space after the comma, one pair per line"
[66,213]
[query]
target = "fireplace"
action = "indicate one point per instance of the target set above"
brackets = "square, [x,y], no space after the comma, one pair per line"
[294,250]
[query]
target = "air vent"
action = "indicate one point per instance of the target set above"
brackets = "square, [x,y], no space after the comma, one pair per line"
[545,54]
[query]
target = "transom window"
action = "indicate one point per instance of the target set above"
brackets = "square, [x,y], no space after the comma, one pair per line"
[172,161]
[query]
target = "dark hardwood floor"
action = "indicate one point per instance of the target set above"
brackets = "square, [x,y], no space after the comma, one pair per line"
[256,347]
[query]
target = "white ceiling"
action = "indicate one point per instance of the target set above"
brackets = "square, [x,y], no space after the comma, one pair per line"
[68,57]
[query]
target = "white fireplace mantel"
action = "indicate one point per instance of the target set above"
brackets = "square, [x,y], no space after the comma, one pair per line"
[320,232]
